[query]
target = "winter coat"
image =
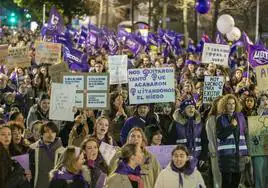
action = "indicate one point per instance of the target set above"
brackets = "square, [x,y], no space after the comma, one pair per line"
[42,160]
[232,147]
[64,179]
[151,168]
[118,181]
[190,133]
[35,114]
[212,146]
[16,177]
[170,179]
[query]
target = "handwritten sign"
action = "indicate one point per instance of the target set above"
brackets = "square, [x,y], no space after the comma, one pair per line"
[3,54]
[62,102]
[107,151]
[118,69]
[154,85]
[258,135]
[262,77]
[56,70]
[162,153]
[18,57]
[216,53]
[47,53]
[91,89]
[23,160]
[213,86]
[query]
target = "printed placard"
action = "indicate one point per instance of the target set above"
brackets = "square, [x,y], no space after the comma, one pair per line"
[3,54]
[216,53]
[107,151]
[155,85]
[92,89]
[117,65]
[47,53]
[262,77]
[18,57]
[62,102]
[213,86]
[258,135]
[162,153]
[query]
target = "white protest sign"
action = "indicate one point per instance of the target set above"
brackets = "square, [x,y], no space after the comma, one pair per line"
[262,77]
[162,153]
[62,102]
[117,65]
[213,86]
[155,85]
[97,100]
[107,151]
[19,57]
[47,52]
[97,82]
[216,53]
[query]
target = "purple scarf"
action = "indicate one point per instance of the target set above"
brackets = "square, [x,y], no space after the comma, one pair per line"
[123,168]
[187,169]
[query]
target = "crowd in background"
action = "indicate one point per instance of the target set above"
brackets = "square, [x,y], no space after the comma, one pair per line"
[212,138]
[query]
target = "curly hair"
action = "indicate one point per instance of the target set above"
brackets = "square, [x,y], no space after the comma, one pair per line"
[221,108]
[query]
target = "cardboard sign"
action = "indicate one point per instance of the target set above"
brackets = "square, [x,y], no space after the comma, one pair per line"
[47,53]
[162,153]
[213,86]
[56,70]
[62,102]
[216,53]
[118,69]
[258,135]
[92,89]
[154,85]
[3,54]
[262,77]
[18,57]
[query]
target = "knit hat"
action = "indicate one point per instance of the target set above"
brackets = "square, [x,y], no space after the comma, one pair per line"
[186,103]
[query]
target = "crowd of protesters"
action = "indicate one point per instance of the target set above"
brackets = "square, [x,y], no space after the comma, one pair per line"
[212,139]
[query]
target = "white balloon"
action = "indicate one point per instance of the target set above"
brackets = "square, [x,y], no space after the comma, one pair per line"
[225,23]
[234,35]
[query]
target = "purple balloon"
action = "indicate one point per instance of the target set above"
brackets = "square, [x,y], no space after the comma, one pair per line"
[202,6]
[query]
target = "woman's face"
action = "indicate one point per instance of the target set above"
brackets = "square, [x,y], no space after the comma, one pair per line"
[167,109]
[190,110]
[238,75]
[143,110]
[118,102]
[27,79]
[157,139]
[230,106]
[43,71]
[16,136]
[179,62]
[80,162]
[264,101]
[92,62]
[135,138]
[157,64]
[91,150]
[102,126]
[37,80]
[179,158]
[187,88]
[5,136]
[139,156]
[20,71]
[44,104]
[20,119]
[250,103]
[191,67]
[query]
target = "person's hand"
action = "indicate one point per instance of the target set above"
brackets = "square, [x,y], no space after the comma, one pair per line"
[28,175]
[78,119]
[234,122]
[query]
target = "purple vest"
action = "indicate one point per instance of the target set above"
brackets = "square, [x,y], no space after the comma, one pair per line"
[228,147]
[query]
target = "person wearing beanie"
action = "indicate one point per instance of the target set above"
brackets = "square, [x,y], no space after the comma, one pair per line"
[187,129]
[154,135]
[142,117]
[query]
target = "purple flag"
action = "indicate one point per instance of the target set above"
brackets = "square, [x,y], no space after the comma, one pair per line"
[55,23]
[258,55]
[132,44]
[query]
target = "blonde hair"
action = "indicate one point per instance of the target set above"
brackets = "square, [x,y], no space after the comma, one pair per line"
[68,159]
[144,139]
[221,107]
